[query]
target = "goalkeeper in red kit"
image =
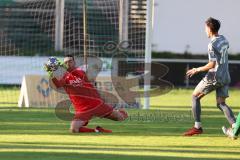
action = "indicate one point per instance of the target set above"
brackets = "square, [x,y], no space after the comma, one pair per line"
[85,98]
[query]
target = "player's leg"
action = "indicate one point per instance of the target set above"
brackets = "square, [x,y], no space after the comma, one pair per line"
[233,132]
[196,111]
[107,111]
[78,125]
[229,132]
[200,91]
[196,108]
[222,94]
[236,130]
[118,115]
[221,104]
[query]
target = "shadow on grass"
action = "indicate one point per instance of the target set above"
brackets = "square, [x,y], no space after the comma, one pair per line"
[119,129]
[70,144]
[43,121]
[119,148]
[88,156]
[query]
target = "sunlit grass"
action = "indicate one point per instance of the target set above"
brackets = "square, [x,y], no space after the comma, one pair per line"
[183,98]
[9,96]
[36,134]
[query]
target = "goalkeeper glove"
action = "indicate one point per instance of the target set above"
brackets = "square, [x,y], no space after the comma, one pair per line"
[48,70]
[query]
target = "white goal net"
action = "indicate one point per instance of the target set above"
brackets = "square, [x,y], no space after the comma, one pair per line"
[32,30]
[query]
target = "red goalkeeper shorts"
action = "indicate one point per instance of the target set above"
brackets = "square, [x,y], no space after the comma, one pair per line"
[101,111]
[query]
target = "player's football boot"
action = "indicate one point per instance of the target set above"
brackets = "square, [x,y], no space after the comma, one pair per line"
[229,132]
[193,131]
[100,129]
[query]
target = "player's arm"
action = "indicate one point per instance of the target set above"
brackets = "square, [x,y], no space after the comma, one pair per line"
[58,83]
[211,64]
[54,81]
[208,66]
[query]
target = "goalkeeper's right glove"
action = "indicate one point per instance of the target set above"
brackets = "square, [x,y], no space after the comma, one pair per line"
[48,70]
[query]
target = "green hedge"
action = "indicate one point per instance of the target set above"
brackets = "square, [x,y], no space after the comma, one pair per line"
[172,55]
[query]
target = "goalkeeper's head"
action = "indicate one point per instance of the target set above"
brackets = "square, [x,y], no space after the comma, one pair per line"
[69,61]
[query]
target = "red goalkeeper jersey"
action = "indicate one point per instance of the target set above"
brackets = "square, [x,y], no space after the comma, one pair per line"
[82,93]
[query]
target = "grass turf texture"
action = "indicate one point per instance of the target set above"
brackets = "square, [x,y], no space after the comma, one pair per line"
[155,134]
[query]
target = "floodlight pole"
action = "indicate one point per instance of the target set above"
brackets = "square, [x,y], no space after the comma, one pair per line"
[148,53]
[59,25]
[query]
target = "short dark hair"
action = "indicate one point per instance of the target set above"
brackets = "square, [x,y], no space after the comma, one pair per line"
[213,24]
[69,55]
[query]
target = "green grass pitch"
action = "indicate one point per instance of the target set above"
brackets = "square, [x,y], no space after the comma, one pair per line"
[36,134]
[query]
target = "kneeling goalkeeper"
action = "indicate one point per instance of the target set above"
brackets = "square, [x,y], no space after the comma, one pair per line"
[85,99]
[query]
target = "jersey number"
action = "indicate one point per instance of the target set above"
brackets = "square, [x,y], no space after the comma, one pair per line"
[224,54]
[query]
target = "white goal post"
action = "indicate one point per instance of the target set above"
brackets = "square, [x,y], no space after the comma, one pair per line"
[148,52]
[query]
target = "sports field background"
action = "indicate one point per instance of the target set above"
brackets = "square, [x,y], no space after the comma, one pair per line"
[36,134]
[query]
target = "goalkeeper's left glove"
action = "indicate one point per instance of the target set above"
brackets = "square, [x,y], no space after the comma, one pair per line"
[62,64]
